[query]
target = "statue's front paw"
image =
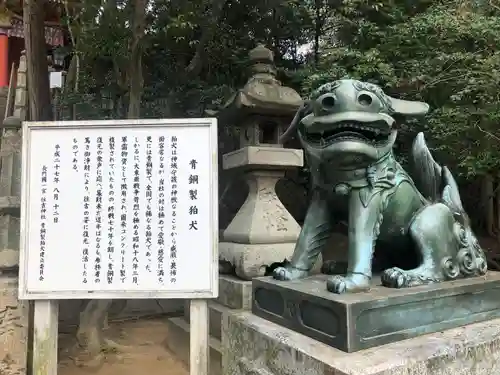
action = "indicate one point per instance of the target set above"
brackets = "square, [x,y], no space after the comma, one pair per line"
[289,273]
[353,283]
[395,278]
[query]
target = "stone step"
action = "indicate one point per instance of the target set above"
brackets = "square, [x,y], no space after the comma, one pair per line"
[234,293]
[177,342]
[215,311]
[10,205]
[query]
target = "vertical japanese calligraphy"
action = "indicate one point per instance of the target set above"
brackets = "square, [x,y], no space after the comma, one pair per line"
[173,202]
[43,221]
[74,150]
[111,211]
[98,213]
[136,208]
[121,210]
[193,195]
[149,198]
[55,190]
[86,210]
[160,273]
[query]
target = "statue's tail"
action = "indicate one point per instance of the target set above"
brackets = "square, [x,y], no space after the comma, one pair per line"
[426,173]
[435,182]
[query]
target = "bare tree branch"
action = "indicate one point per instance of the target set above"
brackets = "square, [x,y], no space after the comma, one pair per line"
[489,134]
[211,20]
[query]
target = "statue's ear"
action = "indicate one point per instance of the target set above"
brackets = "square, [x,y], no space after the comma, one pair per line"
[409,108]
[451,194]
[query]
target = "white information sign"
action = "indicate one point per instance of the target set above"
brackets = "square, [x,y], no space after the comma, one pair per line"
[119,209]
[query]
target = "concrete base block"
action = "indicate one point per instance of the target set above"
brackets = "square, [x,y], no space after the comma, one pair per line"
[252,260]
[234,292]
[254,346]
[177,342]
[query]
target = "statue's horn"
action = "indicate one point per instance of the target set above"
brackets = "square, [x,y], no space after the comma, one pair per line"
[409,108]
[292,128]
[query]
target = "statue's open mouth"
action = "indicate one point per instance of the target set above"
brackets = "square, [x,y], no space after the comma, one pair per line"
[374,133]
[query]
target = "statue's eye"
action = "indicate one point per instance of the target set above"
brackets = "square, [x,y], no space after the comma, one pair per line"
[365,100]
[327,101]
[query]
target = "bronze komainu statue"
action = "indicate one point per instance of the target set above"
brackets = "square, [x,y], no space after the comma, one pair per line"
[417,222]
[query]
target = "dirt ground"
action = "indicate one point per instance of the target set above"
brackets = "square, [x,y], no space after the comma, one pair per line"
[142,353]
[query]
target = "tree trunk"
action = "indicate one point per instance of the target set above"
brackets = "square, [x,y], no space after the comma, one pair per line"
[40,108]
[38,104]
[93,319]
[135,76]
[488,204]
[318,26]
[497,201]
[89,334]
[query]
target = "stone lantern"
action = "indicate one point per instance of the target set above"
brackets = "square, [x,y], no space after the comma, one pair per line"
[263,108]
[263,232]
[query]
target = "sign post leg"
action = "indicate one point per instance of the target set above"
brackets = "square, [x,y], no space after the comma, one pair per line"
[199,360]
[45,337]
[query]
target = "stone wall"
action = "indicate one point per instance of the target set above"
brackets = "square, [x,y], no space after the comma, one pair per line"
[3,100]
[13,329]
[13,313]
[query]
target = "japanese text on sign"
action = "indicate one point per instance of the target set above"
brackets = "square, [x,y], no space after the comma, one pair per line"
[121,209]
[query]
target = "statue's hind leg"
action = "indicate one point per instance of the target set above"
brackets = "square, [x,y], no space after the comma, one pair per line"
[432,233]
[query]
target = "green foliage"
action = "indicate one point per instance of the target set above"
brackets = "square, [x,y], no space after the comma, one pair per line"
[441,52]
[174,30]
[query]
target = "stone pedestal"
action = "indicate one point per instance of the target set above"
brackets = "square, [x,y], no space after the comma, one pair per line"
[263,232]
[254,346]
[352,322]
[234,295]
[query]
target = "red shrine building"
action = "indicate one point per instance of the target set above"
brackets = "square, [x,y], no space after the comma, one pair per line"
[12,33]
